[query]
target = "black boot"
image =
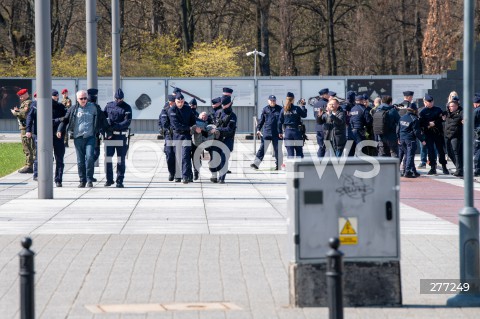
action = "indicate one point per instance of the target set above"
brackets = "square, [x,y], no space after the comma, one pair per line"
[445,169]
[432,171]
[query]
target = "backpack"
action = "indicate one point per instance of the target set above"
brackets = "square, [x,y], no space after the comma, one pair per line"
[380,125]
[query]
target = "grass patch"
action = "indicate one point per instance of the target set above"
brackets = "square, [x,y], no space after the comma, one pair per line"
[11,158]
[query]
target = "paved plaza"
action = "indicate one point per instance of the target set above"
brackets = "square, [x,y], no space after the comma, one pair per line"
[159,249]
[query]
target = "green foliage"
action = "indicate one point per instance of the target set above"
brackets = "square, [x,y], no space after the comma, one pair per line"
[219,58]
[11,158]
[157,56]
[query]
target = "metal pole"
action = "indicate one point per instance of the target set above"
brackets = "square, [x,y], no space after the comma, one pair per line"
[334,280]
[44,100]
[115,46]
[468,216]
[255,52]
[92,76]
[27,272]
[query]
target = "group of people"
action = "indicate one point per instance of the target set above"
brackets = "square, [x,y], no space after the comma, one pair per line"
[189,134]
[85,122]
[396,130]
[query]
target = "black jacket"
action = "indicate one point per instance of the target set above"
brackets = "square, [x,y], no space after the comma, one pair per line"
[58,114]
[453,124]
[334,127]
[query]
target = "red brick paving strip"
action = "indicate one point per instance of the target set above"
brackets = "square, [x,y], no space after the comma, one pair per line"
[438,198]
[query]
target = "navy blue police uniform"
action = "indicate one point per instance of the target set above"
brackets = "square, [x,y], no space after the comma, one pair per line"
[181,121]
[168,149]
[226,126]
[320,105]
[268,125]
[434,137]
[359,120]
[408,132]
[119,117]
[58,114]
[388,142]
[292,135]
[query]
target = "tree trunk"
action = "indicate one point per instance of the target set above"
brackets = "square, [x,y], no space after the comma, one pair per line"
[265,48]
[287,63]
[418,40]
[404,46]
[158,17]
[187,37]
[331,38]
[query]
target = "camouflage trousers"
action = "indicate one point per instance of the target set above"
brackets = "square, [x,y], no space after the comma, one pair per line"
[28,149]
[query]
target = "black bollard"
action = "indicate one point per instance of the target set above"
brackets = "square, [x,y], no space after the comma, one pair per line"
[27,300]
[334,280]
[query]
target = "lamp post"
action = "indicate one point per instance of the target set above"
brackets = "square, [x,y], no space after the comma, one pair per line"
[255,53]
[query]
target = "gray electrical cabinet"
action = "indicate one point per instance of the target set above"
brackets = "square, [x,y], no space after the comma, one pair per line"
[356,201]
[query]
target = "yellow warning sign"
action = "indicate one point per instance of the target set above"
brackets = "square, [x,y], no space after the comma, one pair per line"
[348,230]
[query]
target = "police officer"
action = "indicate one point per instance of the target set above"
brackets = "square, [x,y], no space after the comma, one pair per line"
[58,115]
[182,119]
[291,118]
[216,106]
[269,123]
[21,114]
[320,105]
[359,120]
[169,150]
[193,105]
[119,117]
[226,126]
[388,141]
[476,127]
[407,133]
[431,122]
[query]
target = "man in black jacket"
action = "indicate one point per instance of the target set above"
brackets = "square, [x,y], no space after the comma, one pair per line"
[58,114]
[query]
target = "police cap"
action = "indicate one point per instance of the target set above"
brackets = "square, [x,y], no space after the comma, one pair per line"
[323,91]
[408,93]
[193,102]
[216,100]
[119,94]
[226,100]
[92,92]
[290,94]
[54,92]
[428,98]
[227,90]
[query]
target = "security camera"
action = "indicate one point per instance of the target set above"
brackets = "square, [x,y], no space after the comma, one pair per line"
[261,54]
[249,53]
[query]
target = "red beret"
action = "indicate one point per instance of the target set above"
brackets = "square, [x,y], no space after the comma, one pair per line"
[64,91]
[22,92]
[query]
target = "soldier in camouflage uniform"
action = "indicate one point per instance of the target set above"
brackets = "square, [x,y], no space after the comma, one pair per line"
[67,103]
[21,114]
